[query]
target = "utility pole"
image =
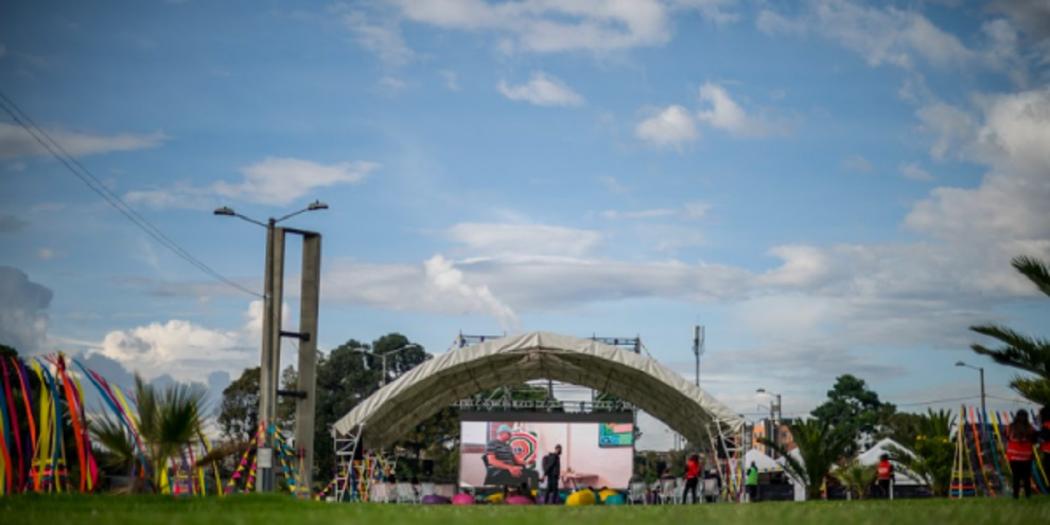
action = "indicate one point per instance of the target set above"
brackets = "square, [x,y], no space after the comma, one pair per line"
[272,332]
[698,348]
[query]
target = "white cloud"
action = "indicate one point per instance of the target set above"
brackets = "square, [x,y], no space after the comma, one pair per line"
[446,283]
[689,211]
[542,90]
[913,171]
[281,180]
[16,142]
[536,239]
[613,184]
[725,114]
[949,124]
[383,39]
[546,27]
[392,84]
[772,23]
[23,311]
[672,126]
[45,254]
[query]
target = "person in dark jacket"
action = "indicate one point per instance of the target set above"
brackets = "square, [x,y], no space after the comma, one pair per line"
[552,472]
[1044,435]
[1019,451]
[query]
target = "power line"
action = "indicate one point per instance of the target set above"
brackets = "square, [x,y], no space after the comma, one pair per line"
[94,184]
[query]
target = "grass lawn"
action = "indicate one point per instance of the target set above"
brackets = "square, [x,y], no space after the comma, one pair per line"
[282,510]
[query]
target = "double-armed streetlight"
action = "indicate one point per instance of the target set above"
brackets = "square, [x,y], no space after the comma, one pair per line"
[773,422]
[273,286]
[383,357]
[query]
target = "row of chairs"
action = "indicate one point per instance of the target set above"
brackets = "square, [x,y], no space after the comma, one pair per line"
[400,492]
[668,491]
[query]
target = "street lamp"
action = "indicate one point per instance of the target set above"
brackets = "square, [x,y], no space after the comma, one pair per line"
[984,412]
[383,357]
[774,423]
[273,286]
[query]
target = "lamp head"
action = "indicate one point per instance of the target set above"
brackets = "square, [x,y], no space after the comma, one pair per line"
[761,391]
[960,363]
[317,205]
[225,210]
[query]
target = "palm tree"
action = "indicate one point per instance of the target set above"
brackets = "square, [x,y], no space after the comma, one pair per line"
[856,477]
[933,452]
[1020,351]
[819,448]
[168,420]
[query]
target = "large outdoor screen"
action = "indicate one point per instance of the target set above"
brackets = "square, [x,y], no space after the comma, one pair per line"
[501,449]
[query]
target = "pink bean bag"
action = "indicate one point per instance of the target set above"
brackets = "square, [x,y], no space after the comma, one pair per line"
[462,499]
[519,500]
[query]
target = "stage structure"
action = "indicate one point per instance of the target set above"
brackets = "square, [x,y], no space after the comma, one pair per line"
[385,416]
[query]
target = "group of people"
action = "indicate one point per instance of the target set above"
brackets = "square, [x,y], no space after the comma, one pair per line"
[1022,439]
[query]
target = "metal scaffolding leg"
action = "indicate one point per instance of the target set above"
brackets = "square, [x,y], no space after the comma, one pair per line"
[345,450]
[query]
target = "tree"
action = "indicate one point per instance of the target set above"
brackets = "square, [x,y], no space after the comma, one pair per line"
[168,420]
[853,411]
[856,477]
[819,447]
[934,451]
[239,413]
[1023,352]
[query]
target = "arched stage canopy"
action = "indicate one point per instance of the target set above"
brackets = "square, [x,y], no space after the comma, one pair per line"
[458,374]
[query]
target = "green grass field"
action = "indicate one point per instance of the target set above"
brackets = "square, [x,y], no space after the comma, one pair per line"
[277,510]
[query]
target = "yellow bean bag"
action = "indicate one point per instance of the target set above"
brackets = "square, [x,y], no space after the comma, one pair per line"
[580,498]
[496,497]
[603,495]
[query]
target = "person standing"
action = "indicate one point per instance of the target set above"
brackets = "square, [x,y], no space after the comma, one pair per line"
[751,483]
[1044,435]
[692,477]
[552,471]
[885,475]
[1019,451]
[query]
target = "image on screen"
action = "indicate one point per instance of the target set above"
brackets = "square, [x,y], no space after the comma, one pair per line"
[510,453]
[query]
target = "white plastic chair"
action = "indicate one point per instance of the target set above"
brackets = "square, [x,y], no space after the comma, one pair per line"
[406,493]
[668,491]
[427,488]
[636,492]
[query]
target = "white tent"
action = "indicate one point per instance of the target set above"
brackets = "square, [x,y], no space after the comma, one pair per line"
[460,373]
[762,461]
[800,488]
[874,454]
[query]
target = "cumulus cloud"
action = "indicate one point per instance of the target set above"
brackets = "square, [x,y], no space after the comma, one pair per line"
[23,311]
[281,180]
[725,114]
[672,126]
[16,142]
[541,90]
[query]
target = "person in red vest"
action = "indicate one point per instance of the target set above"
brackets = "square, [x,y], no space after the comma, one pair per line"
[1044,435]
[885,475]
[692,477]
[1019,451]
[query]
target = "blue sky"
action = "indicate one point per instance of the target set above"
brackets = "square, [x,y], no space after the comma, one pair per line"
[829,186]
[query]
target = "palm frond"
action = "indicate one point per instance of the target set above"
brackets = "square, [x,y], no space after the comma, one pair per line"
[1035,270]
[115,439]
[1034,389]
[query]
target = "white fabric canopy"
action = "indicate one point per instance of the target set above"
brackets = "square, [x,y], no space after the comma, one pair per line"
[874,454]
[426,389]
[761,460]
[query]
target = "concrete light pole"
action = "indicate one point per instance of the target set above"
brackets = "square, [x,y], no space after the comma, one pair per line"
[270,355]
[774,422]
[698,348]
[383,357]
[984,411]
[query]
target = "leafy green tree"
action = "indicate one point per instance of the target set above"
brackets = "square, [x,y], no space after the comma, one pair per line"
[853,412]
[168,420]
[1026,353]
[239,412]
[934,451]
[819,447]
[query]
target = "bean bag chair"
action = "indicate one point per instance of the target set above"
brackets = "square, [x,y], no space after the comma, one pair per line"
[495,498]
[434,499]
[462,499]
[614,499]
[605,493]
[518,499]
[580,498]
